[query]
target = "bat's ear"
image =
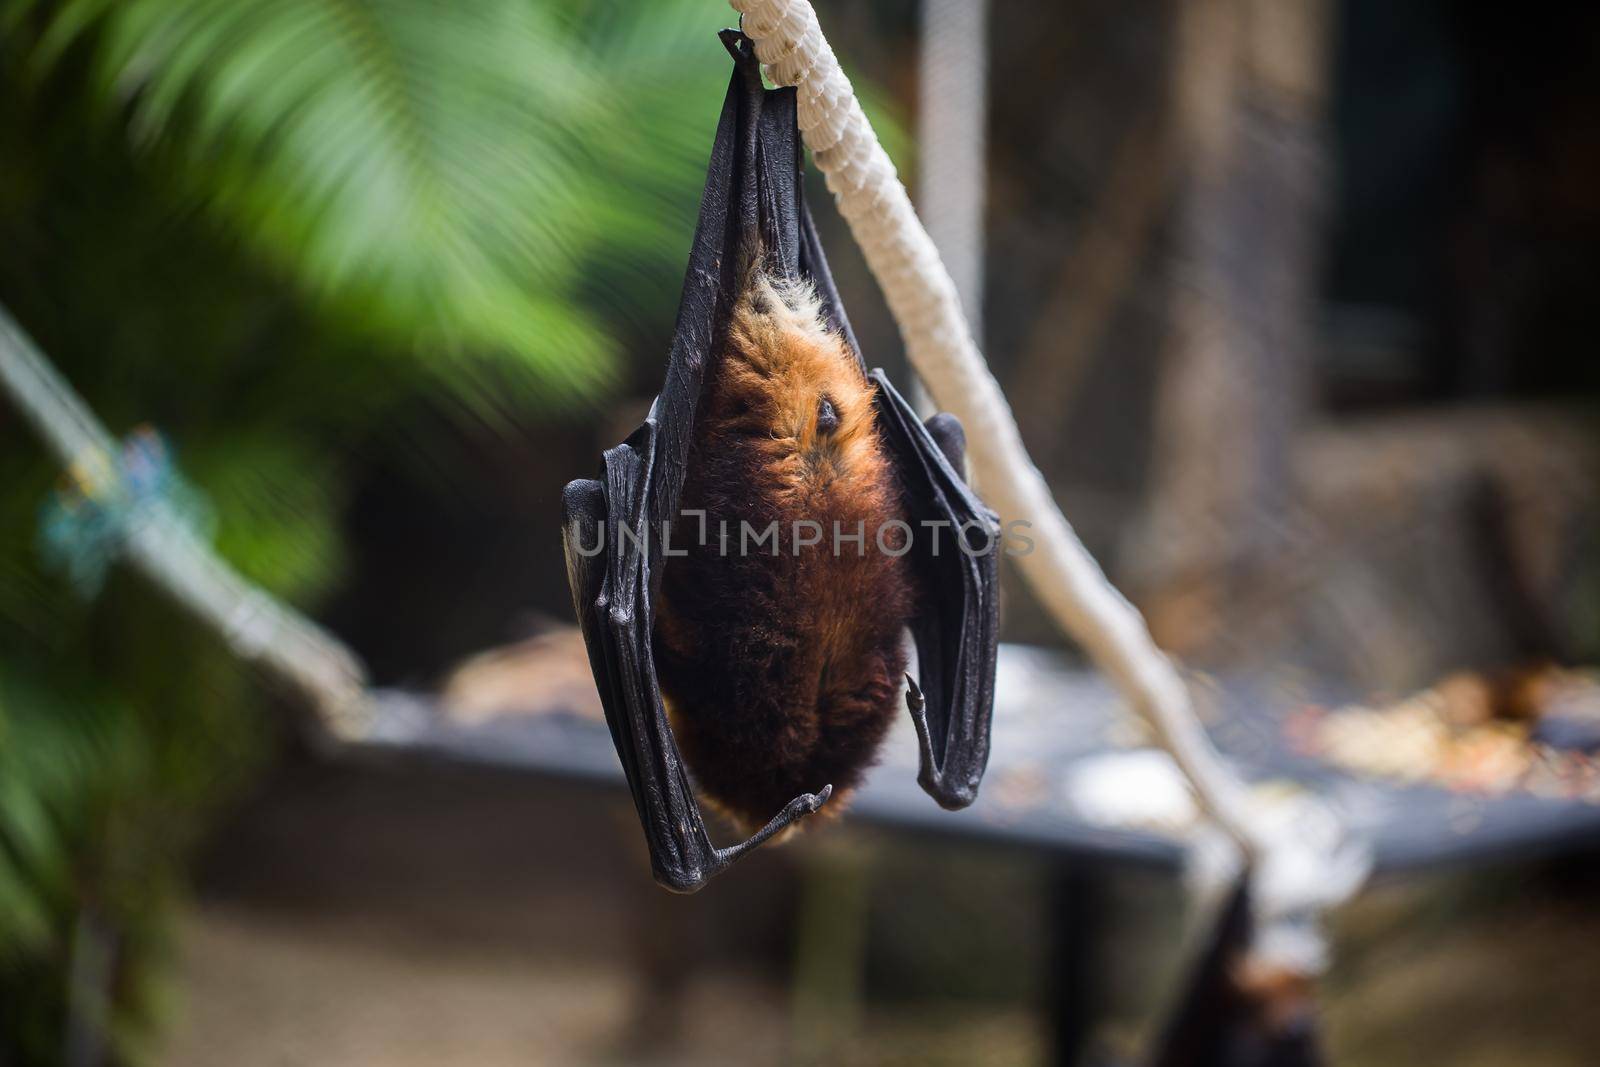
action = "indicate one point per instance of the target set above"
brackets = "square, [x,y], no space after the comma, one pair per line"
[946,431]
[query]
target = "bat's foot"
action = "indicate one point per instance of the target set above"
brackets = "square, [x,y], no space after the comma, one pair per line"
[797,809]
[782,823]
[808,803]
[688,877]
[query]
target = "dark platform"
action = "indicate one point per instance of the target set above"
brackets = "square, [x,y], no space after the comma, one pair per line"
[1050,719]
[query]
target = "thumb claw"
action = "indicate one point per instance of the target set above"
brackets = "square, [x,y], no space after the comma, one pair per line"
[914,698]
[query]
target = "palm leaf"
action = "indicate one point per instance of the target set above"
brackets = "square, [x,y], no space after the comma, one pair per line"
[450,174]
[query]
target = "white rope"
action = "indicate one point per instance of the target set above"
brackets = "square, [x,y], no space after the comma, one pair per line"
[923,299]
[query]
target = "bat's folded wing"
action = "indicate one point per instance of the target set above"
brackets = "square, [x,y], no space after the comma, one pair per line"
[609,547]
[955,552]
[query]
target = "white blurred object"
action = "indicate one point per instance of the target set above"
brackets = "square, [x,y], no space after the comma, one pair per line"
[1140,789]
[952,114]
[952,141]
[1312,863]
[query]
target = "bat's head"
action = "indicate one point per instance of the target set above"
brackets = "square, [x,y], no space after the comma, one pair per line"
[793,387]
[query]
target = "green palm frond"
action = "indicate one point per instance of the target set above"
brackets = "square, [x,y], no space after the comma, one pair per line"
[451,174]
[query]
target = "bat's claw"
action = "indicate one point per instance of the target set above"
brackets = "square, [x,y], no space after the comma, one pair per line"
[917,704]
[806,804]
[914,699]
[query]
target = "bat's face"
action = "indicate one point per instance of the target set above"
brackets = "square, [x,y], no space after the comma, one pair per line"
[795,393]
[783,671]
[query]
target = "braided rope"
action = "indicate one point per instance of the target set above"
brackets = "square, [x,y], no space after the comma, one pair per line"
[924,302]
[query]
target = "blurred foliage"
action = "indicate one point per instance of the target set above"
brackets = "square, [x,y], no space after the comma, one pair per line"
[451,176]
[269,228]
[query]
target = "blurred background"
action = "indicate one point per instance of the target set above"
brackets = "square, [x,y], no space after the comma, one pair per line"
[1293,301]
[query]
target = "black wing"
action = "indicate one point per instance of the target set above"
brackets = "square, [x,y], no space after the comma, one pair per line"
[614,528]
[955,556]
[610,575]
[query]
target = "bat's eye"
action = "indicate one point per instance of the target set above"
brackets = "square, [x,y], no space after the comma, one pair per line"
[827,416]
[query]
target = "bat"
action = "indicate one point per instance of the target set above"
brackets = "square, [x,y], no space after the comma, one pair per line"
[747,565]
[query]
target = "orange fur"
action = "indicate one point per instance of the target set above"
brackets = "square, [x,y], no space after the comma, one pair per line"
[783,673]
[781,360]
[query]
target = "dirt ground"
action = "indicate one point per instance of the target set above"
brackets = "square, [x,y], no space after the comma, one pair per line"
[260,992]
[1496,969]
[375,919]
[392,919]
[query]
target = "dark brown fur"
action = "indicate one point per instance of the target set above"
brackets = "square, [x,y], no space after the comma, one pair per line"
[782,674]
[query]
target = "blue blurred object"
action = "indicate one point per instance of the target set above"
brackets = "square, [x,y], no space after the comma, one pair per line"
[83,524]
[1569,732]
